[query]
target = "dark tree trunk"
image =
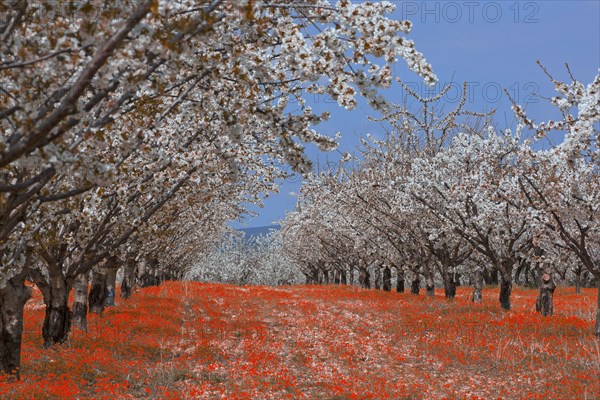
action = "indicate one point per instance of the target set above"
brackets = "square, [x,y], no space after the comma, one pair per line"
[529,272]
[307,276]
[343,278]
[478,286]
[377,277]
[325,277]
[129,279]
[490,277]
[387,279]
[522,270]
[57,322]
[315,277]
[97,297]
[336,277]
[80,306]
[415,285]
[361,277]
[495,274]
[148,273]
[429,282]
[111,287]
[400,280]
[505,289]
[367,283]
[449,285]
[12,302]
[531,280]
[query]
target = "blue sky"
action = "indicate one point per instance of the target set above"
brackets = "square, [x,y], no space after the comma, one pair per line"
[491,45]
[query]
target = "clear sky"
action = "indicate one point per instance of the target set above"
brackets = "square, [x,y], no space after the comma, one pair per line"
[492,45]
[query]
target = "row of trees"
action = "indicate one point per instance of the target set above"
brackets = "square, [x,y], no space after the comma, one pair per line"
[131,131]
[448,194]
[241,260]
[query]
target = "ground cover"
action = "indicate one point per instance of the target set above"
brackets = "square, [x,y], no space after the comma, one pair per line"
[187,340]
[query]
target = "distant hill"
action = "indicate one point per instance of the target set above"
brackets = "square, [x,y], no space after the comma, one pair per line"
[259,230]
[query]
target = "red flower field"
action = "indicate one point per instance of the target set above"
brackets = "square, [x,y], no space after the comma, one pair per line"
[209,341]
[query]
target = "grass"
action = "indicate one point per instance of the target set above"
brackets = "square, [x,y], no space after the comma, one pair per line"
[192,340]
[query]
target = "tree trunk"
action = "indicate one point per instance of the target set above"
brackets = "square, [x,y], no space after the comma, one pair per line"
[377,277]
[399,280]
[129,279]
[505,289]
[307,276]
[325,277]
[343,277]
[478,286]
[387,279]
[364,278]
[522,269]
[315,278]
[97,297]
[415,286]
[449,285]
[544,303]
[491,277]
[80,306]
[527,282]
[140,276]
[148,273]
[57,322]
[111,286]
[361,278]
[336,276]
[429,282]
[12,302]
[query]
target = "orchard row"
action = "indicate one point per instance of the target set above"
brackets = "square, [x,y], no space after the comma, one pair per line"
[448,194]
